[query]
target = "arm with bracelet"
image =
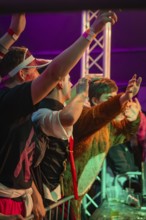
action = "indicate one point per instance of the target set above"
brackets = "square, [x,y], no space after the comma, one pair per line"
[94,29]
[17,26]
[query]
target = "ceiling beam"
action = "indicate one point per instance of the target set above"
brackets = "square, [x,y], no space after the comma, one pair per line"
[13,6]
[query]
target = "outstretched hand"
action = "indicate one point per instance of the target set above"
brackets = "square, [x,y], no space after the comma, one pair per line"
[18,23]
[102,18]
[133,87]
[82,87]
[132,110]
[38,208]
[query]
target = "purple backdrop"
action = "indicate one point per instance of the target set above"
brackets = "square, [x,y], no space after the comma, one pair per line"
[47,34]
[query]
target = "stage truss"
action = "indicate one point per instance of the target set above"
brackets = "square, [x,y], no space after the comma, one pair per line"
[96,62]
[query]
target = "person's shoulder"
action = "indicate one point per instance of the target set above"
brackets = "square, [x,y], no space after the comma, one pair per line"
[3,91]
[23,88]
[23,85]
[86,109]
[19,91]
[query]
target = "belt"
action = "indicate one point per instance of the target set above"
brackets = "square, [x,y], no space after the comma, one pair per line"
[17,199]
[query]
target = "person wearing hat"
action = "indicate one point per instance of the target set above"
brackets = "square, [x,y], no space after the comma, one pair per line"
[57,123]
[18,100]
[18,23]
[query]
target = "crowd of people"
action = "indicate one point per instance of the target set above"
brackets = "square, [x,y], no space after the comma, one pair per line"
[39,118]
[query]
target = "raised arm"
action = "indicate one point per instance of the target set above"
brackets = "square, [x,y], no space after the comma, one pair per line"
[99,115]
[128,124]
[131,90]
[63,63]
[71,112]
[59,123]
[17,26]
[132,110]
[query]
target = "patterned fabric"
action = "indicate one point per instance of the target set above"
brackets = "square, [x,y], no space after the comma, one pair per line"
[17,144]
[51,169]
[17,141]
[93,135]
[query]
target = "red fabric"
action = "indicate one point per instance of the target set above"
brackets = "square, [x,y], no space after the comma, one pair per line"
[1,54]
[66,214]
[73,168]
[11,32]
[86,33]
[11,207]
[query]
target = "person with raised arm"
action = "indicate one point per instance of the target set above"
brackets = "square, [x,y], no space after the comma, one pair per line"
[21,89]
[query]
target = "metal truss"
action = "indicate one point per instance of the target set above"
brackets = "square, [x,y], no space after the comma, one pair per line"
[96,61]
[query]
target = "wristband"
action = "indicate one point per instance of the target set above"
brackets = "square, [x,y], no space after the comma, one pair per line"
[89,35]
[3,51]
[12,34]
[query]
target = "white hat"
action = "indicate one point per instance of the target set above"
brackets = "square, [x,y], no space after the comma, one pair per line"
[29,61]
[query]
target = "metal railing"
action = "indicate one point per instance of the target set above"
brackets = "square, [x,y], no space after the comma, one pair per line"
[55,206]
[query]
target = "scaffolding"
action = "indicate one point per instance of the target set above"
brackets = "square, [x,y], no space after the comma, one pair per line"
[96,61]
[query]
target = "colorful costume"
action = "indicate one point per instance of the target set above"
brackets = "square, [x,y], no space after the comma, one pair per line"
[93,135]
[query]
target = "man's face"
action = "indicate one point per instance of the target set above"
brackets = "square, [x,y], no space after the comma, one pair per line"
[106,96]
[31,74]
[66,90]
